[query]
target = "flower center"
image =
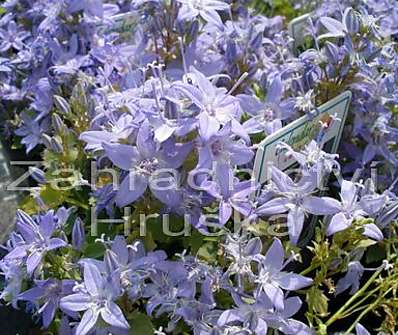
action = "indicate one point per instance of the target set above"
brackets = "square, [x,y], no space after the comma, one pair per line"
[148,166]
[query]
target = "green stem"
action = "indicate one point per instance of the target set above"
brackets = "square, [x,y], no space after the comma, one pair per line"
[371,306]
[366,311]
[309,269]
[359,293]
[353,311]
[77,203]
[360,302]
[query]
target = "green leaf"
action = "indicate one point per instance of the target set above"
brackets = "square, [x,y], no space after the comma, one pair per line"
[195,241]
[140,324]
[51,197]
[208,252]
[224,299]
[366,243]
[375,254]
[149,241]
[94,250]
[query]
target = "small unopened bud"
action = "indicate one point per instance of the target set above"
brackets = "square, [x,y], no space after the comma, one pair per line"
[40,202]
[62,104]
[78,234]
[331,52]
[46,140]
[58,124]
[110,260]
[24,218]
[56,145]
[194,30]
[37,174]
[231,51]
[352,21]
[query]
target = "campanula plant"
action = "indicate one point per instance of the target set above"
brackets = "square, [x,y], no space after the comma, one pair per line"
[145,216]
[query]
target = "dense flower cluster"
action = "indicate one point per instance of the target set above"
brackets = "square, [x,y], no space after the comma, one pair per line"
[168,101]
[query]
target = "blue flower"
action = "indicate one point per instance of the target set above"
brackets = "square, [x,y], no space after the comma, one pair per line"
[141,161]
[356,205]
[351,279]
[96,298]
[267,116]
[89,7]
[221,146]
[112,132]
[32,130]
[215,101]
[297,200]
[167,285]
[258,316]
[271,279]
[12,37]
[36,240]
[206,9]
[46,295]
[235,196]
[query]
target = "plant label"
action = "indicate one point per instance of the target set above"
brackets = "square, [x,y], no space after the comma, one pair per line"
[326,127]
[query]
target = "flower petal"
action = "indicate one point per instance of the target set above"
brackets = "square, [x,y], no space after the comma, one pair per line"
[122,155]
[262,327]
[132,187]
[338,223]
[274,206]
[88,322]
[75,302]
[372,231]
[275,255]
[295,221]
[208,126]
[113,315]
[275,294]
[253,247]
[321,206]
[92,279]
[229,316]
[33,261]
[348,191]
[292,281]
[225,212]
[56,243]
[361,330]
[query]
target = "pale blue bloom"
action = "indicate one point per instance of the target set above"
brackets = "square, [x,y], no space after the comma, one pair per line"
[96,298]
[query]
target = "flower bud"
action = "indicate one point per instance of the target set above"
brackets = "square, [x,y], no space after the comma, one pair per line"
[58,124]
[256,42]
[40,202]
[24,218]
[37,174]
[231,52]
[61,104]
[78,234]
[194,30]
[331,52]
[46,140]
[352,21]
[56,145]
[110,260]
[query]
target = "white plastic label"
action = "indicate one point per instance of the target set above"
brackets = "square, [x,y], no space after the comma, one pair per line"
[331,116]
